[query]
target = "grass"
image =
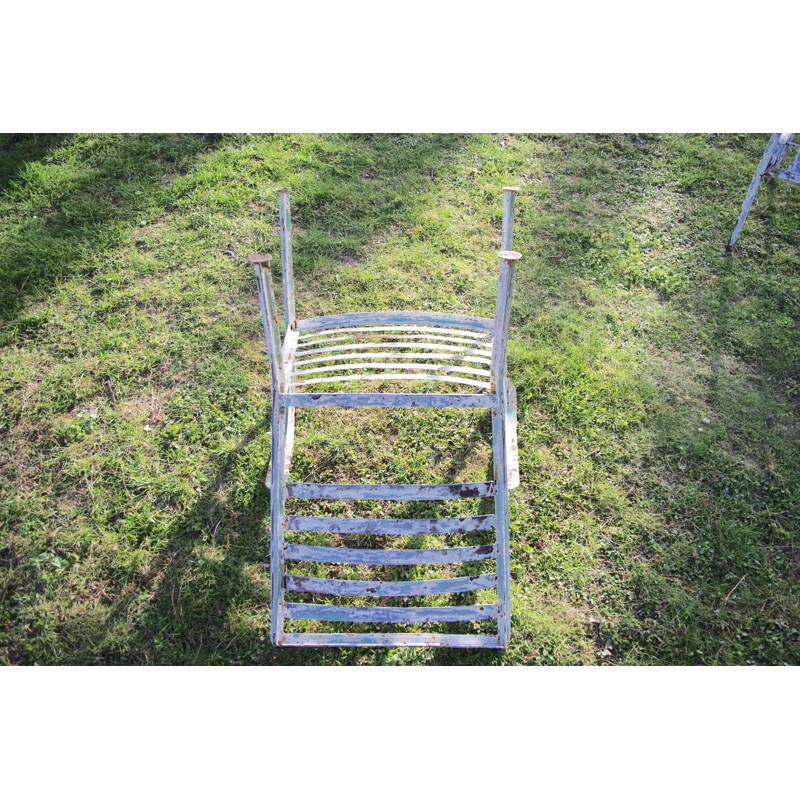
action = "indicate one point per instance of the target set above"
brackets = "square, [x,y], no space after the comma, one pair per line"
[658,517]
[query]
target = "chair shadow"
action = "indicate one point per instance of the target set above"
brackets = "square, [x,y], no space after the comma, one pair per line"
[181,625]
[195,627]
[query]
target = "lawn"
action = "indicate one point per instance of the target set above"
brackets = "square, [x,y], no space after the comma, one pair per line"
[658,520]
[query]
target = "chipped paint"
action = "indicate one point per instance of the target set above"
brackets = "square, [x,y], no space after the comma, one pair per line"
[422,337]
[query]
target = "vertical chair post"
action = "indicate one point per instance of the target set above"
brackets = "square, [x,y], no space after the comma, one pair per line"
[507,237]
[289,313]
[287,263]
[500,424]
[512,446]
[269,317]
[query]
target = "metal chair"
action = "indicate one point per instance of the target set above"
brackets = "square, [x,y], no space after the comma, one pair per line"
[391,346]
[769,167]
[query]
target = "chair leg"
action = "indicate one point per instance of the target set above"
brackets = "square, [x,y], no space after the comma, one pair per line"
[501,508]
[512,445]
[751,192]
[288,445]
[277,519]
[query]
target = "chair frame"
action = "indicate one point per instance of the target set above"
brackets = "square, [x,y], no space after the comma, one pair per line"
[469,340]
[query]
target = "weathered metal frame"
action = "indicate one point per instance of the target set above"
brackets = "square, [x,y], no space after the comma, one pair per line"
[455,339]
[770,166]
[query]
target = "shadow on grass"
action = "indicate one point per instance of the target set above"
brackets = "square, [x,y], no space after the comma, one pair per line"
[192,616]
[17,150]
[77,212]
[732,519]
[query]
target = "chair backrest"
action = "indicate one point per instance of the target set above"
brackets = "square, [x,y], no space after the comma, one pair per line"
[494,332]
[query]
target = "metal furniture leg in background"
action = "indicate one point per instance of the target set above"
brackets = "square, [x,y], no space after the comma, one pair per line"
[767,160]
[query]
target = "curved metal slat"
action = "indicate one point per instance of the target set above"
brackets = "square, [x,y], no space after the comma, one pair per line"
[469,583]
[429,318]
[357,356]
[348,555]
[400,616]
[399,527]
[442,348]
[425,337]
[384,366]
[396,376]
[477,335]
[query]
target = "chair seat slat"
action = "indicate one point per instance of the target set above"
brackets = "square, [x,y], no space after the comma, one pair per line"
[385,491]
[389,400]
[348,588]
[348,555]
[390,640]
[384,527]
[400,616]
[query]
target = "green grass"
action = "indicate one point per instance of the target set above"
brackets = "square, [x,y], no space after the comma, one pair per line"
[659,514]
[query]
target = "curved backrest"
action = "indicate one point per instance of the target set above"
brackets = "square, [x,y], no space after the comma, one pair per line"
[395,346]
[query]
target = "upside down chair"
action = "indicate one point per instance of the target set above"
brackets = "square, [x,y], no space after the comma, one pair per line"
[417,349]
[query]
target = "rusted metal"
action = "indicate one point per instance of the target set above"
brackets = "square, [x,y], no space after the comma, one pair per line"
[428,555]
[389,330]
[390,491]
[371,334]
[512,444]
[500,437]
[392,527]
[469,583]
[445,348]
[459,357]
[509,198]
[377,346]
[397,376]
